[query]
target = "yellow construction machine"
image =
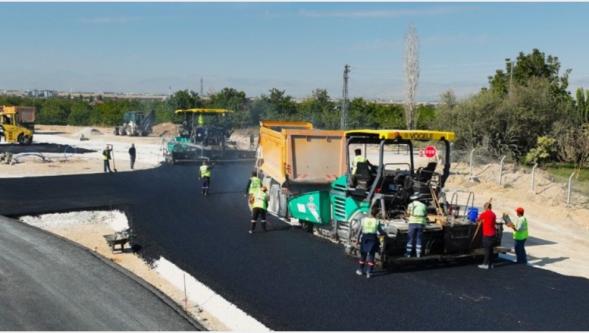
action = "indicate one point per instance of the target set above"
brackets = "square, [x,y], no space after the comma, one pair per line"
[17,124]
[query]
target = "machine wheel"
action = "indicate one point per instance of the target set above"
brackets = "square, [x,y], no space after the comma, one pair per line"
[21,139]
[307,226]
[116,131]
[29,140]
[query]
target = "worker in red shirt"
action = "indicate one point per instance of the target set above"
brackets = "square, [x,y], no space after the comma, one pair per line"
[487,219]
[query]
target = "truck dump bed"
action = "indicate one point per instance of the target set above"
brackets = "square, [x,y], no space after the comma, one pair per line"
[294,152]
[24,114]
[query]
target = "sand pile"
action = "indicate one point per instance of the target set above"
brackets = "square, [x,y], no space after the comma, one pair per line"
[116,220]
[165,129]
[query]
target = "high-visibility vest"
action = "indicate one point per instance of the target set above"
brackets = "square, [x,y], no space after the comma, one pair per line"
[369,225]
[205,171]
[260,200]
[356,160]
[522,229]
[106,155]
[418,212]
[201,120]
[255,185]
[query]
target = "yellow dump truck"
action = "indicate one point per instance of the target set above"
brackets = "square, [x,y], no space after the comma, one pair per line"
[294,158]
[17,123]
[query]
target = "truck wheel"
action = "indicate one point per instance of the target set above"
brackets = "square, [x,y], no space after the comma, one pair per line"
[21,139]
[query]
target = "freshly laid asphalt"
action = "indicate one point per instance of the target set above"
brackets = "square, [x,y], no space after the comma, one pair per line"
[47,283]
[291,280]
[16,148]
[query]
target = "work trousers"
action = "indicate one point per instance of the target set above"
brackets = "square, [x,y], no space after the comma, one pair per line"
[368,248]
[520,251]
[132,162]
[205,184]
[107,166]
[488,243]
[414,239]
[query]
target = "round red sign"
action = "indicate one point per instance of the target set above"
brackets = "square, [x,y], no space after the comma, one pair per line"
[430,151]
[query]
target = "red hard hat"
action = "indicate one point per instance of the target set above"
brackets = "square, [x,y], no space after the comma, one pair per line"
[519,210]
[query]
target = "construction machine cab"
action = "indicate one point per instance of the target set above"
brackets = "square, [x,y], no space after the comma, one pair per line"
[196,130]
[398,171]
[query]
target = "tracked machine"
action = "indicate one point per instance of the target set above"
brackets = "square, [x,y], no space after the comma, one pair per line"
[195,140]
[395,171]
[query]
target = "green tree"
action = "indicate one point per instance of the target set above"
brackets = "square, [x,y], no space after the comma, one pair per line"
[581,115]
[80,114]
[534,64]
[233,100]
[320,110]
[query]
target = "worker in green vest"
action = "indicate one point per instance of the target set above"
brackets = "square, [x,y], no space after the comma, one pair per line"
[369,242]
[417,213]
[205,177]
[260,205]
[520,235]
[253,185]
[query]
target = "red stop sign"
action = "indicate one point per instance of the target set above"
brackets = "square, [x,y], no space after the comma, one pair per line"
[430,151]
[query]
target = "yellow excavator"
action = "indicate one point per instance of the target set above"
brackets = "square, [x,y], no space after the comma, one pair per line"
[17,124]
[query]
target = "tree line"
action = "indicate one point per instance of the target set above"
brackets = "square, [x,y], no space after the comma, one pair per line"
[525,111]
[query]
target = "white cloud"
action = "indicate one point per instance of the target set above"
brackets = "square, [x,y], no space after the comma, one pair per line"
[109,19]
[381,13]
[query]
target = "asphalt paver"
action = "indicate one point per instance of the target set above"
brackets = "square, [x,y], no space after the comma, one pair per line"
[48,283]
[291,280]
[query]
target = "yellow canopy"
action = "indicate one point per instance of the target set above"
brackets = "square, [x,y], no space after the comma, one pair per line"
[418,135]
[204,111]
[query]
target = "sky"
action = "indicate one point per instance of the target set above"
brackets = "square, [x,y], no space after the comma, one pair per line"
[297,47]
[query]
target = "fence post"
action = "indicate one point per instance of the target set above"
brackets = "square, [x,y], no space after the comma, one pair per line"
[501,170]
[534,178]
[471,176]
[570,188]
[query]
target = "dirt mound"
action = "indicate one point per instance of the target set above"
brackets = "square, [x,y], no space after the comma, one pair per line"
[164,129]
[88,131]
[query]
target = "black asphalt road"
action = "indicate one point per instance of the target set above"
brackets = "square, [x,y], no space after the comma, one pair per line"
[291,280]
[47,283]
[16,148]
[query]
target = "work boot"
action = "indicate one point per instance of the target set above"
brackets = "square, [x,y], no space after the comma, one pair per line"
[250,232]
[483,266]
[368,275]
[359,272]
[407,255]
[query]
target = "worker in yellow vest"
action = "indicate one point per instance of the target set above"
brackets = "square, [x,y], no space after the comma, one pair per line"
[253,185]
[205,177]
[260,205]
[369,242]
[417,213]
[358,159]
[520,235]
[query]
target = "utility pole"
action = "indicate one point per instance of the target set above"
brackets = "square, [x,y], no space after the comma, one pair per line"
[201,87]
[344,115]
